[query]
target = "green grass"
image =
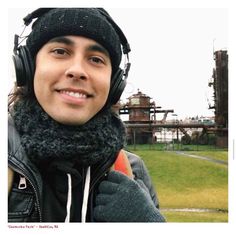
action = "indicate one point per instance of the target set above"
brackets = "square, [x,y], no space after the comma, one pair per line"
[175,146]
[195,217]
[183,182]
[218,155]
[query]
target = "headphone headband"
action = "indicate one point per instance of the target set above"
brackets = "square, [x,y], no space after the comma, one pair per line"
[35,14]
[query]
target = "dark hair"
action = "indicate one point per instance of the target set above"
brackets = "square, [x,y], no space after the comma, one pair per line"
[19,93]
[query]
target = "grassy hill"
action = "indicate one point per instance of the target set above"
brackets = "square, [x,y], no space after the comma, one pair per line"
[185,182]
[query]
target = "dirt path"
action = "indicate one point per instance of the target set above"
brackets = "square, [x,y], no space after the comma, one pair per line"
[202,157]
[200,210]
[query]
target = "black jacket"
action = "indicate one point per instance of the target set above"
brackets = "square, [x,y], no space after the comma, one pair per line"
[25,200]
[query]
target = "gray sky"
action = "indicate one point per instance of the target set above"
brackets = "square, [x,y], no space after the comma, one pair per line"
[172,53]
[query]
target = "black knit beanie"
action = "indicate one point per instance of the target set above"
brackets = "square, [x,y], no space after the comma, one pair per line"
[87,22]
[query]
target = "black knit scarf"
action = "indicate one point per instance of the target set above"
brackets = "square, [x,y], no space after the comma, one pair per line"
[44,139]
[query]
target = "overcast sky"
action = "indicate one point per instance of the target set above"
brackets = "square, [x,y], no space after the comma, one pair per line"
[172,53]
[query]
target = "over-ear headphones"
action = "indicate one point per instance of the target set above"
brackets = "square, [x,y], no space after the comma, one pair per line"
[25,67]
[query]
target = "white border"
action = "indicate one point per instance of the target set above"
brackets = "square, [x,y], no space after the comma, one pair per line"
[169,228]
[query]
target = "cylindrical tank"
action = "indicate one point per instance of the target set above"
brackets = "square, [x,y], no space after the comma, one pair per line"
[139,107]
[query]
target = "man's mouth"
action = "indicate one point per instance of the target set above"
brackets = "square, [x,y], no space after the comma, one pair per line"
[79,94]
[75,94]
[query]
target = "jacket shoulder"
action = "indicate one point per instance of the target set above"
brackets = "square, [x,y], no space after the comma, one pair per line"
[17,158]
[138,167]
[16,153]
[13,137]
[140,172]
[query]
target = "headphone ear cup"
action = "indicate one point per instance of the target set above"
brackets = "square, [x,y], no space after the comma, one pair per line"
[118,83]
[24,66]
[19,70]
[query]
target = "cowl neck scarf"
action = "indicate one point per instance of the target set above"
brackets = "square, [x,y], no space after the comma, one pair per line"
[45,140]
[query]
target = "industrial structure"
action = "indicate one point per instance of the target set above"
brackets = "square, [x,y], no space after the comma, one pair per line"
[142,111]
[143,125]
[220,86]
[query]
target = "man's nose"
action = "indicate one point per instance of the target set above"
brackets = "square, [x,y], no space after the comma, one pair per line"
[76,70]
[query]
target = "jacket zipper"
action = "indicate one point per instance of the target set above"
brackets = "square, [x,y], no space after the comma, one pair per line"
[22,184]
[22,179]
[102,172]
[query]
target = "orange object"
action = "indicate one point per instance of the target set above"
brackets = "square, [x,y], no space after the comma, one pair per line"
[122,164]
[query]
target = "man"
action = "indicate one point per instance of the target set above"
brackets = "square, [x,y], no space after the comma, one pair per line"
[66,161]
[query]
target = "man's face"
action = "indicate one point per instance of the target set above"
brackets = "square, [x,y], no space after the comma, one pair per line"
[72,79]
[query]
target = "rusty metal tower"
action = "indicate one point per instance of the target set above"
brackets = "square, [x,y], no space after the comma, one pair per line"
[142,111]
[220,87]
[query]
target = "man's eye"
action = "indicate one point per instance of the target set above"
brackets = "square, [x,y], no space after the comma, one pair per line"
[97,60]
[59,51]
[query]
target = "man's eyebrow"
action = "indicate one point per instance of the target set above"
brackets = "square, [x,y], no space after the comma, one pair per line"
[99,48]
[68,41]
[62,39]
